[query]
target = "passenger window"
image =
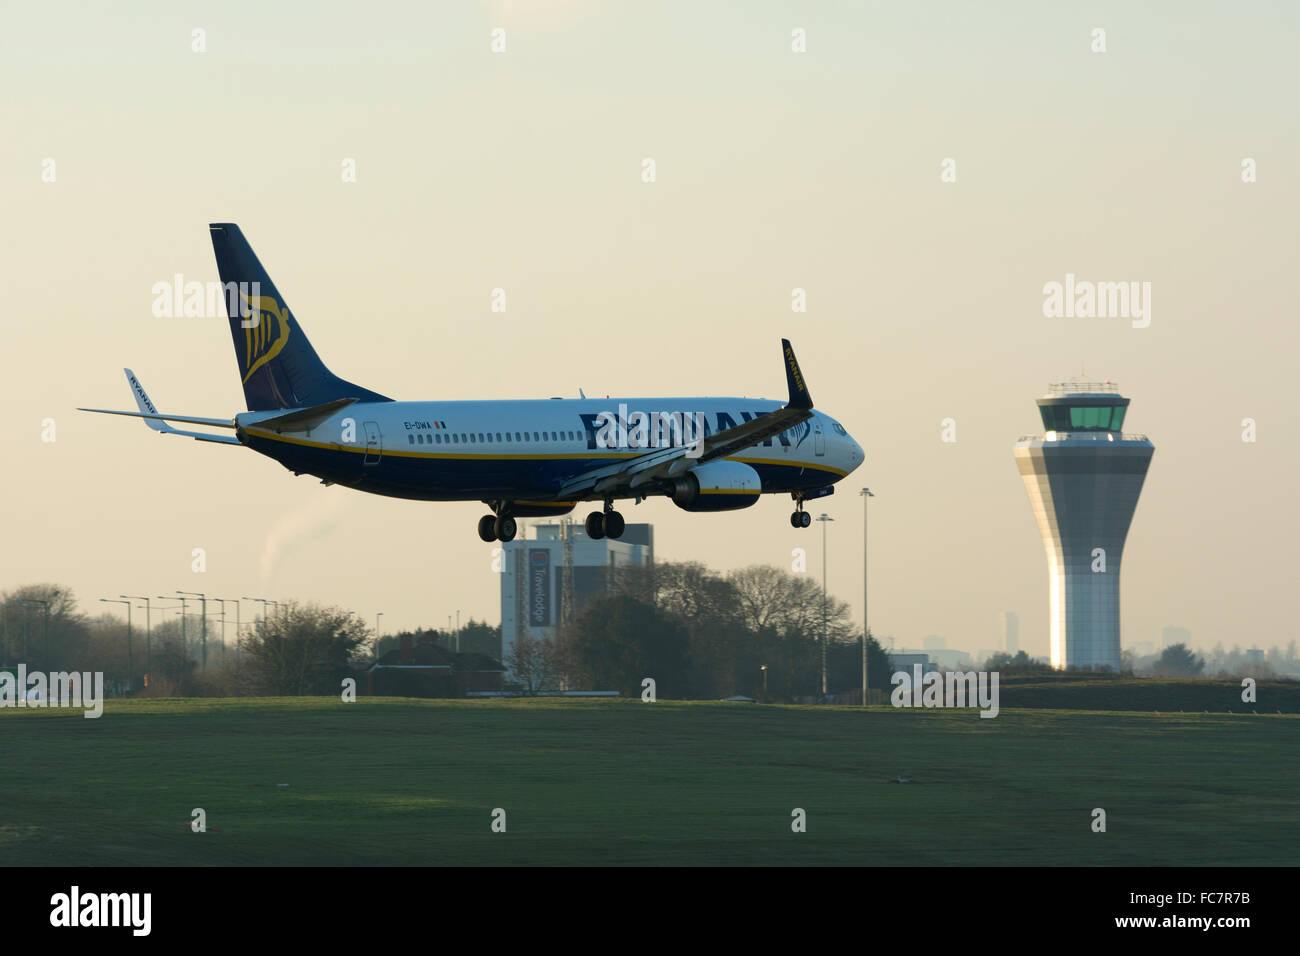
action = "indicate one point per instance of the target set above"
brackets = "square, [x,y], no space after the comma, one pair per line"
[411,439]
[471,437]
[498,436]
[437,439]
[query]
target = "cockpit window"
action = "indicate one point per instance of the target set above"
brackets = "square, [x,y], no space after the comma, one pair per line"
[839,429]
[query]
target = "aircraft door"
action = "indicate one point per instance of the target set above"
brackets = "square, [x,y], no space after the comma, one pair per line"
[374,444]
[819,440]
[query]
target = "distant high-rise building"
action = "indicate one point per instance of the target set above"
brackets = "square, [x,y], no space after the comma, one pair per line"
[932,642]
[1084,477]
[1171,635]
[1011,627]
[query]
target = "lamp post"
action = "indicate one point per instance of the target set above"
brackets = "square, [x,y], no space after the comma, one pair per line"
[148,630]
[824,519]
[264,602]
[130,672]
[204,626]
[865,493]
[374,653]
[223,602]
[764,669]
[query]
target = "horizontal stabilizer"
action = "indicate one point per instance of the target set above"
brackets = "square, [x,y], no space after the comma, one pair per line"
[158,422]
[188,419]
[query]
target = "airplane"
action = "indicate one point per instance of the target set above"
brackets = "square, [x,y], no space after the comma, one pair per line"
[521,458]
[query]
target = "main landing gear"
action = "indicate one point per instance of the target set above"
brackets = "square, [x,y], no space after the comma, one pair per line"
[799,518]
[607,524]
[497,528]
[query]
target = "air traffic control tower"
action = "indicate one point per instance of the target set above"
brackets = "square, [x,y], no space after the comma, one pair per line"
[1083,477]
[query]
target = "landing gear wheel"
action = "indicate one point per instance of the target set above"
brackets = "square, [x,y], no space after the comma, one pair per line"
[805,519]
[487,527]
[595,526]
[614,524]
[505,528]
[796,520]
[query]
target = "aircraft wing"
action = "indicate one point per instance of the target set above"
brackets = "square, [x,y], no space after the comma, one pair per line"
[159,422]
[662,463]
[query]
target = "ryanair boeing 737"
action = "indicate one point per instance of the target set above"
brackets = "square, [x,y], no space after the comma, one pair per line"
[520,458]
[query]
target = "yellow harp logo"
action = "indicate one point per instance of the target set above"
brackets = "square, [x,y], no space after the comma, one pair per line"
[259,346]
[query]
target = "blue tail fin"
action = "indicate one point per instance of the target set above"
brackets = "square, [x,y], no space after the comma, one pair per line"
[279,367]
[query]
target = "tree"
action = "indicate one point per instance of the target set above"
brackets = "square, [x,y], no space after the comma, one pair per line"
[478,637]
[1019,663]
[616,641]
[173,670]
[1178,661]
[303,649]
[844,664]
[534,662]
[52,641]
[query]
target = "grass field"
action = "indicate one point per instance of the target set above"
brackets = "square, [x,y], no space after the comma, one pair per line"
[397,781]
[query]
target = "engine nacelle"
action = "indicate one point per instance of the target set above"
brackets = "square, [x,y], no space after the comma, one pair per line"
[717,486]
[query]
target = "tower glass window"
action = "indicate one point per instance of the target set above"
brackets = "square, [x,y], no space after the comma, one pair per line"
[1082,418]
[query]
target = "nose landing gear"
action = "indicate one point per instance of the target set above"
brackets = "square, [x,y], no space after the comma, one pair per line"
[799,518]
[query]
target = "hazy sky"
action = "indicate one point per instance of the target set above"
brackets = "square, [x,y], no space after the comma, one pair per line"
[775,170]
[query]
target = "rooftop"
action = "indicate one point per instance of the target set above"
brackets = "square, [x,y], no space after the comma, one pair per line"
[1072,387]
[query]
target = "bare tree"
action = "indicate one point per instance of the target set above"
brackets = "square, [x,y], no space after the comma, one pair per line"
[534,663]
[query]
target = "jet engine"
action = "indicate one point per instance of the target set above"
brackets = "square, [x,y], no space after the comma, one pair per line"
[716,486]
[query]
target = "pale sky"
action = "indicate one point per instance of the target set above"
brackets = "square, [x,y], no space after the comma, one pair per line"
[775,170]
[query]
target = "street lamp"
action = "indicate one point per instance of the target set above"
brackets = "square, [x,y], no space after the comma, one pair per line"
[763,667]
[148,630]
[224,602]
[865,493]
[204,627]
[264,602]
[824,519]
[130,671]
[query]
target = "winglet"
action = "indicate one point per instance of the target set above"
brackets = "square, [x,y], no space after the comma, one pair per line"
[145,405]
[799,397]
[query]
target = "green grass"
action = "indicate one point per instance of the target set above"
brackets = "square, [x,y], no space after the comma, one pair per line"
[398,781]
[1087,692]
